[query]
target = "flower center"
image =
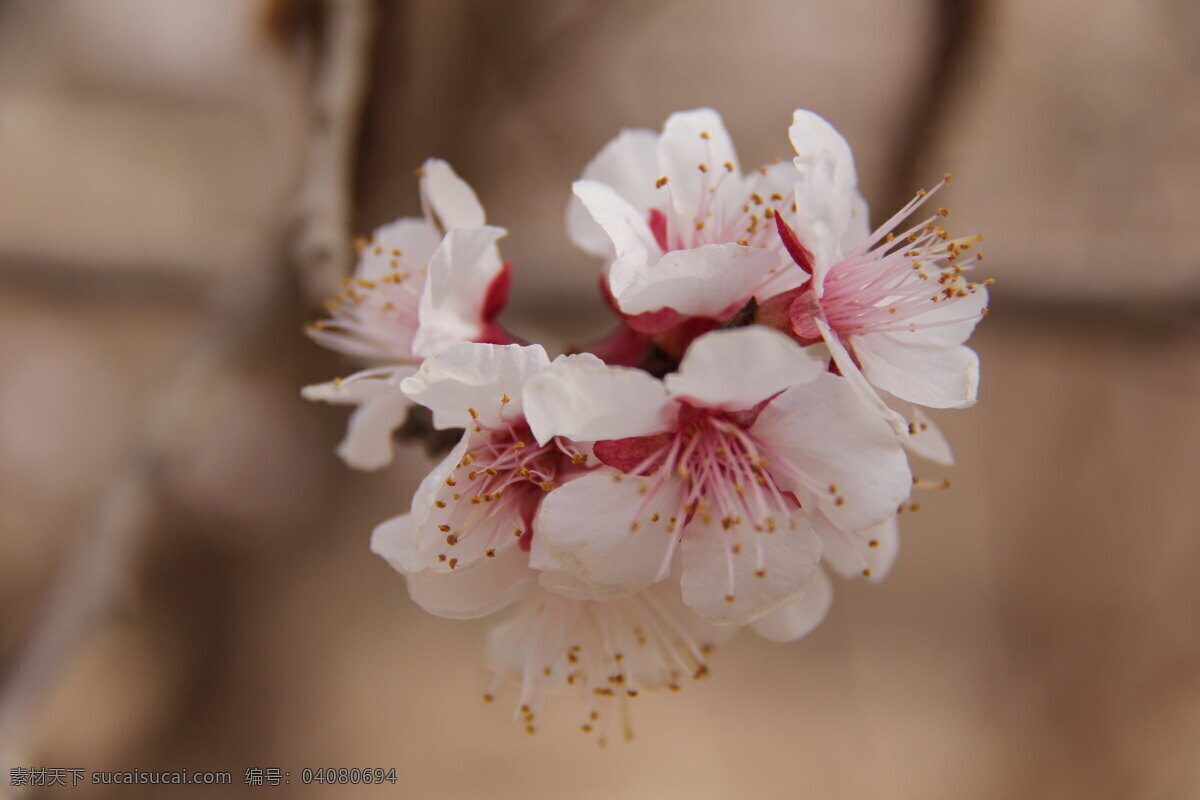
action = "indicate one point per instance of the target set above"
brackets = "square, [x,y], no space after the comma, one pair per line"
[721,214]
[493,492]
[727,477]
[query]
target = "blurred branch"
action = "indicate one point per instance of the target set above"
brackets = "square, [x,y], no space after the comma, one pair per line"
[323,213]
[956,33]
[90,577]
[108,548]
[135,282]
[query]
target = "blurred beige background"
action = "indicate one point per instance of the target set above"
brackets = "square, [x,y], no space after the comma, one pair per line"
[176,178]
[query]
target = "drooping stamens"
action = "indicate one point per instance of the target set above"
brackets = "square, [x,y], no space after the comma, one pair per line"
[610,652]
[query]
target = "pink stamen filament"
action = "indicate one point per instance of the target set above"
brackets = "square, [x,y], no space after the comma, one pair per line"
[888,281]
[723,469]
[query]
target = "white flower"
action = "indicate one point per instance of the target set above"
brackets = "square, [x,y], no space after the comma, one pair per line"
[746,458]
[685,232]
[893,307]
[479,502]
[420,285]
[631,518]
[609,652]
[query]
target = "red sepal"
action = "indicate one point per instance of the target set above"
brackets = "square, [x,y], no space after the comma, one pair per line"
[658,226]
[628,454]
[497,293]
[799,253]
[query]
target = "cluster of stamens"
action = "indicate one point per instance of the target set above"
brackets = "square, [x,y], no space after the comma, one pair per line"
[610,652]
[374,316]
[717,219]
[885,283]
[493,491]
[728,478]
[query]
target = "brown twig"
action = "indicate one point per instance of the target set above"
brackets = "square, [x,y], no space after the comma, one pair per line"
[323,204]
[959,23]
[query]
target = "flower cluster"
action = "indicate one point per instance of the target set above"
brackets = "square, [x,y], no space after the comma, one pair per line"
[741,434]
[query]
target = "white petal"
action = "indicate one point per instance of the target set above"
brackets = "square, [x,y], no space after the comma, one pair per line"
[799,617]
[382,408]
[460,273]
[823,429]
[416,558]
[350,391]
[589,401]
[464,594]
[368,441]
[396,541]
[469,377]
[579,358]
[853,555]
[668,596]
[436,503]
[689,139]
[627,164]
[553,577]
[778,177]
[449,196]
[818,142]
[448,541]
[703,281]
[928,442]
[633,242]
[735,576]
[924,437]
[947,322]
[858,226]
[882,556]
[771,179]
[928,375]
[589,527]
[866,393]
[739,368]
[414,238]
[826,190]
[567,585]
[467,594]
